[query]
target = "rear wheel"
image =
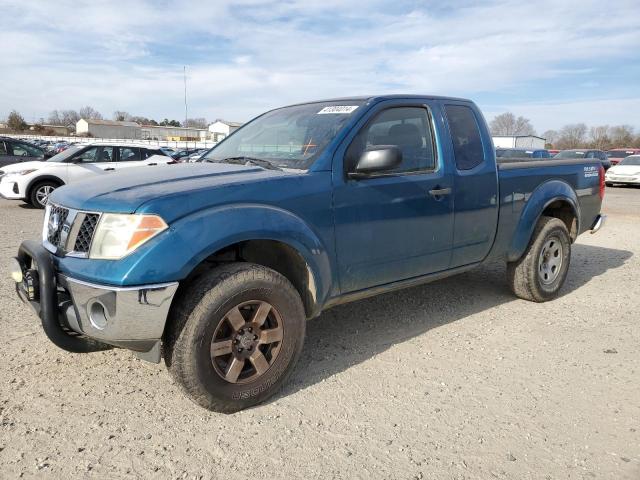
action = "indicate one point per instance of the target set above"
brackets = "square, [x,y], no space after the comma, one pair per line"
[39,195]
[234,336]
[541,271]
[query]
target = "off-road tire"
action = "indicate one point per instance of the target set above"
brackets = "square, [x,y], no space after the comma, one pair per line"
[202,306]
[523,275]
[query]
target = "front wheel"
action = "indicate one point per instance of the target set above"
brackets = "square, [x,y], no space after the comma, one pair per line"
[234,336]
[40,193]
[541,271]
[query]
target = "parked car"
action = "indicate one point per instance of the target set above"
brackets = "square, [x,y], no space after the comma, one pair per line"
[582,153]
[168,151]
[182,155]
[618,154]
[33,182]
[626,172]
[522,153]
[18,151]
[197,155]
[217,265]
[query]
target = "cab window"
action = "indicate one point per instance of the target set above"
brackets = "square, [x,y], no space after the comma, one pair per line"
[465,134]
[408,128]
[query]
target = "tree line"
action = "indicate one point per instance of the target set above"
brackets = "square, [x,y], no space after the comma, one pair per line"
[16,122]
[575,135]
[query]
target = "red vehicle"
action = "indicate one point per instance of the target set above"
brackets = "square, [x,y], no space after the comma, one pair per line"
[554,152]
[618,154]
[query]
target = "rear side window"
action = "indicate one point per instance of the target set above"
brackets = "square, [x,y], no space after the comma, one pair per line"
[129,154]
[467,143]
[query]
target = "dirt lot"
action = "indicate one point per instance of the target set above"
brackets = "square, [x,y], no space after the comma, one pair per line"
[452,380]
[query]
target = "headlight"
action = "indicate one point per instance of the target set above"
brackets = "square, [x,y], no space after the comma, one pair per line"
[23,172]
[118,235]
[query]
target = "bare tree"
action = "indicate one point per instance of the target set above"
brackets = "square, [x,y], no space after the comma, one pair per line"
[599,137]
[508,124]
[572,136]
[120,116]
[551,136]
[197,122]
[54,118]
[70,117]
[90,113]
[621,135]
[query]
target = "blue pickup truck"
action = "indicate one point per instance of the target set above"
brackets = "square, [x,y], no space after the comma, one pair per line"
[217,265]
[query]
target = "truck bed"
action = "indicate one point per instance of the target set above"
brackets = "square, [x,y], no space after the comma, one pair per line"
[519,182]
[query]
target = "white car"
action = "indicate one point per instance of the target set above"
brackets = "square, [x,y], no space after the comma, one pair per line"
[627,171]
[33,182]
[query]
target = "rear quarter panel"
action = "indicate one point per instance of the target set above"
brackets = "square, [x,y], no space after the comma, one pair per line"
[527,188]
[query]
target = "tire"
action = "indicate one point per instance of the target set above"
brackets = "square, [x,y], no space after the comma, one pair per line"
[40,193]
[207,311]
[533,277]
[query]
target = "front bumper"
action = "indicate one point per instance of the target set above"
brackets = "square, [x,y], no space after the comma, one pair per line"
[10,189]
[81,317]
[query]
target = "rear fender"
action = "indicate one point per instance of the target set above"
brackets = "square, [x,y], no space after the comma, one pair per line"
[540,199]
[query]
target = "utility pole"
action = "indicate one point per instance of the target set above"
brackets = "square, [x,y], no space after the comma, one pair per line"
[184,69]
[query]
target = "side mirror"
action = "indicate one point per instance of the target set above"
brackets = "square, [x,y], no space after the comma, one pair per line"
[377,159]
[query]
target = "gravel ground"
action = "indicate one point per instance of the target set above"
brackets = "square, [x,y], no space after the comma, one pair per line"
[453,380]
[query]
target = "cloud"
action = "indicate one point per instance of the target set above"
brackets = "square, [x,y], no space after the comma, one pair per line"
[244,57]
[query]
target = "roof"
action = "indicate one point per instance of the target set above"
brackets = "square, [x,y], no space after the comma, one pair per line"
[112,123]
[119,144]
[174,128]
[519,136]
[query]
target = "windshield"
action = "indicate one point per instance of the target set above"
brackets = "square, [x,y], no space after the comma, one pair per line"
[572,154]
[633,160]
[62,156]
[290,137]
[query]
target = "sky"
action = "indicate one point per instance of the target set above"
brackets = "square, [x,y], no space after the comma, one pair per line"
[554,62]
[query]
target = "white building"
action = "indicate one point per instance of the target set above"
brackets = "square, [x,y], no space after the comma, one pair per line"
[518,141]
[221,129]
[159,132]
[107,129]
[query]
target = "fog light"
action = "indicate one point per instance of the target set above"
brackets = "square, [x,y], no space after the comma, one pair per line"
[97,315]
[16,270]
[30,284]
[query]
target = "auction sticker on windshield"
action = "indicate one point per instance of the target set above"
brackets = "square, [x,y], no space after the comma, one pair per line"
[338,109]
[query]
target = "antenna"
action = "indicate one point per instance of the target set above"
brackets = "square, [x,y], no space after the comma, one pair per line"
[184,69]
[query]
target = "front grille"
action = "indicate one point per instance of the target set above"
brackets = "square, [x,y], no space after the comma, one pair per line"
[85,234]
[68,231]
[55,224]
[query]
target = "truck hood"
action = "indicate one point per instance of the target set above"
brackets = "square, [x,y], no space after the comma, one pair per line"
[127,190]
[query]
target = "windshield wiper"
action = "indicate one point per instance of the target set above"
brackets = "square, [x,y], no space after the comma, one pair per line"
[248,161]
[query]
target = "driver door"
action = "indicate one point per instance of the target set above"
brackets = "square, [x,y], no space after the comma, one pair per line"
[94,160]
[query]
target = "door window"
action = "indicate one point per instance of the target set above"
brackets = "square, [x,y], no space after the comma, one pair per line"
[129,154]
[22,150]
[3,149]
[408,128]
[95,154]
[465,134]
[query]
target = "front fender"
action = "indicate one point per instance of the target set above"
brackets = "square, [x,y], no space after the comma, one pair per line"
[172,255]
[538,201]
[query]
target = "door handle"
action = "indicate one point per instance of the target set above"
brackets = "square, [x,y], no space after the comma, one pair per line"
[109,169]
[439,192]
[152,164]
